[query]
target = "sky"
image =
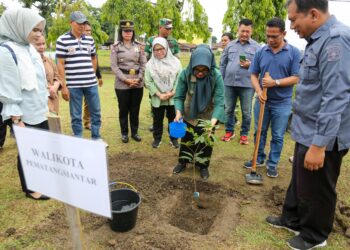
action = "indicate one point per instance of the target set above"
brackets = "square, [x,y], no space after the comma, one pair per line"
[216,9]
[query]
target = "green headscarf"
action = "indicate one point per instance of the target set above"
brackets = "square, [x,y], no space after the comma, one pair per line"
[16,24]
[203,89]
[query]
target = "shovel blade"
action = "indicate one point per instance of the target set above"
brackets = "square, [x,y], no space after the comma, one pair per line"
[254,179]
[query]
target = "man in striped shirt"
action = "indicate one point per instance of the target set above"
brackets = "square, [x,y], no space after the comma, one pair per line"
[76,63]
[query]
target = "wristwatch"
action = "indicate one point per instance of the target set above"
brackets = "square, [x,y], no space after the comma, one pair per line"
[278,82]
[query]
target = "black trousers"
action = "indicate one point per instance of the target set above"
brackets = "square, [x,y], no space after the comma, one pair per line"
[158,117]
[206,150]
[311,196]
[3,127]
[45,126]
[129,101]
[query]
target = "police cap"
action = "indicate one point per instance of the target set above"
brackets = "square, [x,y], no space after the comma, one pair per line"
[126,25]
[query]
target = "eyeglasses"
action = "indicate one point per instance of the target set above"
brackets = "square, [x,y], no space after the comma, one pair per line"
[168,28]
[127,31]
[203,71]
[272,37]
[158,50]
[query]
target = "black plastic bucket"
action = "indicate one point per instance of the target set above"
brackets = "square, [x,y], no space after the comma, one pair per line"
[125,205]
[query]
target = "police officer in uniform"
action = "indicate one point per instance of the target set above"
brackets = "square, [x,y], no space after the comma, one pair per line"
[320,124]
[128,64]
[165,28]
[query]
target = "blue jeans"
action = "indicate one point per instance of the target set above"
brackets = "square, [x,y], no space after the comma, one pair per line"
[75,107]
[277,115]
[245,96]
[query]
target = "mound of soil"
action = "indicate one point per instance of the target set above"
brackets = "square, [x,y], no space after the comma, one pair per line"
[168,216]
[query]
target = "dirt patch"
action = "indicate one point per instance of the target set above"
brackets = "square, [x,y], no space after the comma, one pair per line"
[276,197]
[187,216]
[342,217]
[167,216]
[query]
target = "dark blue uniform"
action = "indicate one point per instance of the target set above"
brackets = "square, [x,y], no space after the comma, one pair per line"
[321,117]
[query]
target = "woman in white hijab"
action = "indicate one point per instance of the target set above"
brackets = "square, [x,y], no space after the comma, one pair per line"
[161,75]
[23,87]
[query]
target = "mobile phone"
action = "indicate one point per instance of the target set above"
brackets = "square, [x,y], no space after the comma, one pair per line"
[242,58]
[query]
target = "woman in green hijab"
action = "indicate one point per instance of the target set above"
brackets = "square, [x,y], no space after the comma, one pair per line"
[23,85]
[199,95]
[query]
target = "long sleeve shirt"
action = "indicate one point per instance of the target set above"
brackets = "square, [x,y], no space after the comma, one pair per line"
[52,76]
[321,111]
[153,89]
[30,105]
[184,94]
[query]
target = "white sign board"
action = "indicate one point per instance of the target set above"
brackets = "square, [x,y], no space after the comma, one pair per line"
[69,169]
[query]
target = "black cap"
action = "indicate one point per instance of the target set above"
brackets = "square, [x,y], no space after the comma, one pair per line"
[126,25]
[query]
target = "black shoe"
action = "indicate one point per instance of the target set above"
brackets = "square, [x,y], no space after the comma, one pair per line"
[125,138]
[150,128]
[179,168]
[204,173]
[298,243]
[40,198]
[156,143]
[277,222]
[174,143]
[136,137]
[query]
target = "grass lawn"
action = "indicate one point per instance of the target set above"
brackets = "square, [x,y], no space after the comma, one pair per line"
[22,218]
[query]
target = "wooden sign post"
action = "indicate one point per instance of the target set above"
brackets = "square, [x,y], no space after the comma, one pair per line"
[73,216]
[64,168]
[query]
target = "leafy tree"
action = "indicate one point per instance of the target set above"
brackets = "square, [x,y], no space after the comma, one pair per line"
[109,28]
[196,23]
[188,23]
[45,7]
[280,10]
[258,12]
[140,11]
[60,21]
[2,8]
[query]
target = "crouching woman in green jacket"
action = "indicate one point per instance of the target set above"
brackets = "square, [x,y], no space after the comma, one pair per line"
[199,95]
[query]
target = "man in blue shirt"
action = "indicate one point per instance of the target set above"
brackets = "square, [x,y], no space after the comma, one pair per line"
[320,124]
[281,60]
[234,65]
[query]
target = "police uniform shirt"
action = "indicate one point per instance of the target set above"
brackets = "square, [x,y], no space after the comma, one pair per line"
[321,111]
[127,63]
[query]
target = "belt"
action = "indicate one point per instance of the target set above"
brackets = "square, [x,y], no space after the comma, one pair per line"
[130,71]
